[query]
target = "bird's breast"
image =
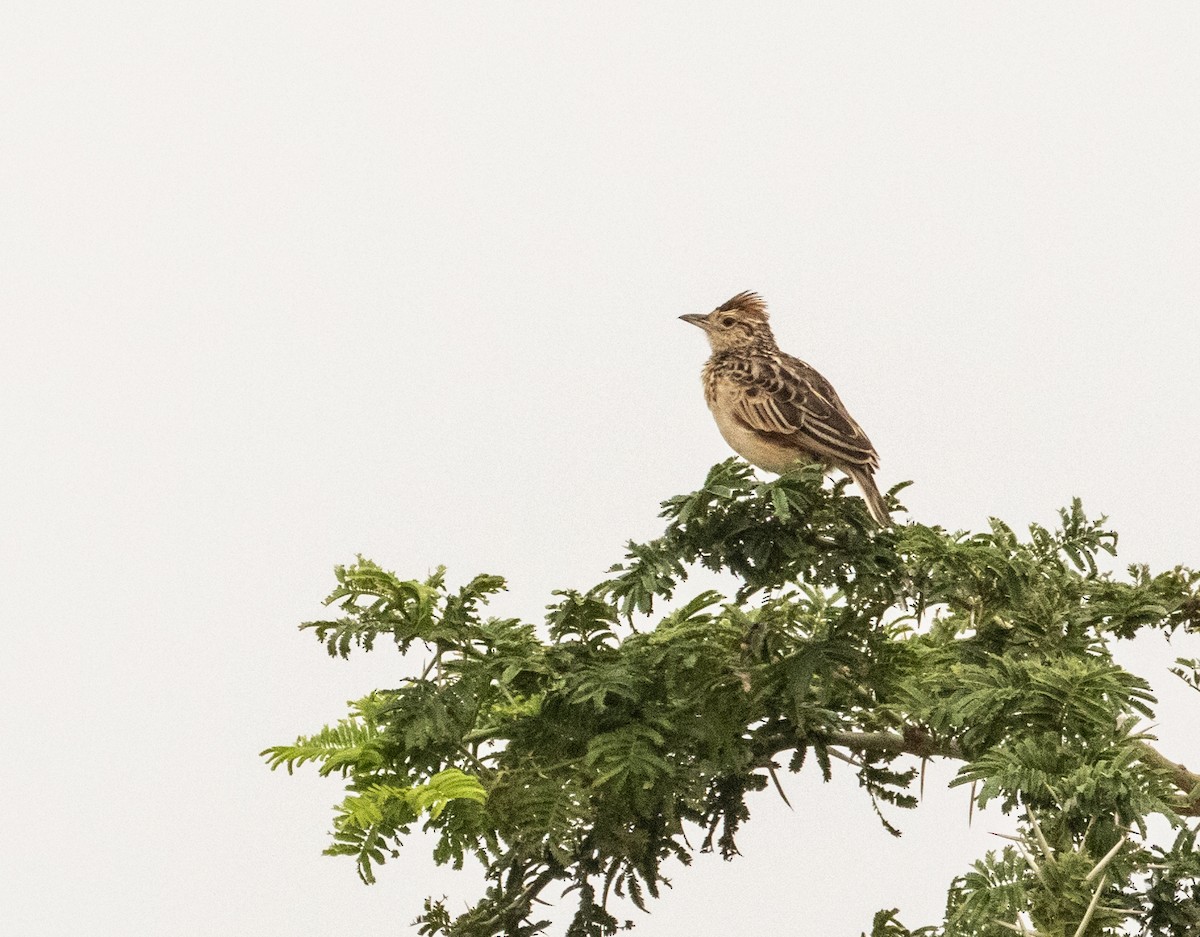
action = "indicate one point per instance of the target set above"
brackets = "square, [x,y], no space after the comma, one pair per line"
[771,451]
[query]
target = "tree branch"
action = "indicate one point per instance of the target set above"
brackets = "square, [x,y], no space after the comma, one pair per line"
[914,741]
[1187,782]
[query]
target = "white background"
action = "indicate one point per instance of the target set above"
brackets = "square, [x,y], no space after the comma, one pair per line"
[283,282]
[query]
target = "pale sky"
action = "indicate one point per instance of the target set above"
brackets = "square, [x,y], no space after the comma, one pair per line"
[285,282]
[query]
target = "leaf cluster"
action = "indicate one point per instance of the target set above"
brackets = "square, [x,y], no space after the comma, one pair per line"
[591,753]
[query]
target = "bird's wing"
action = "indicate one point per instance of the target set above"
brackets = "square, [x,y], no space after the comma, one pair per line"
[786,396]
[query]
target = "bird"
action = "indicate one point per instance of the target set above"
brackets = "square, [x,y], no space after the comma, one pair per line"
[776,411]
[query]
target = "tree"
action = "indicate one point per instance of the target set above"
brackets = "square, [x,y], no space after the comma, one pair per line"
[574,757]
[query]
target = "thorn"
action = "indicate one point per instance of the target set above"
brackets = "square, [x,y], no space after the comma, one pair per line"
[1125,911]
[1091,908]
[1032,863]
[778,786]
[1019,928]
[1037,831]
[846,758]
[1108,856]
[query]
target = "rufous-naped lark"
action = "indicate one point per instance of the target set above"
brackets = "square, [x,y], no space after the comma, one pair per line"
[776,410]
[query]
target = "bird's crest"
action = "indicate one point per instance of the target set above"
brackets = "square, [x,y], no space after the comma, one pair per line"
[746,302]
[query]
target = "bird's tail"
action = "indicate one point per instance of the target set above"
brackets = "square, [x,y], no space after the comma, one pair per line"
[875,503]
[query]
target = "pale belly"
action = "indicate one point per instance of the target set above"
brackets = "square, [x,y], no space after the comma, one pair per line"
[759,450]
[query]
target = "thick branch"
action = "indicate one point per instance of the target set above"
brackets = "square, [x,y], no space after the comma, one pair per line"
[917,742]
[913,742]
[1188,782]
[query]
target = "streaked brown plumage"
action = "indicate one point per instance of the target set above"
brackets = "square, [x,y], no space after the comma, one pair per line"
[776,410]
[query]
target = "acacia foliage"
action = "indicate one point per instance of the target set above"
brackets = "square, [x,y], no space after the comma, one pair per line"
[573,758]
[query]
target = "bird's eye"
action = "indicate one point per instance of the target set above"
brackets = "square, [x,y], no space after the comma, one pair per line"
[728,321]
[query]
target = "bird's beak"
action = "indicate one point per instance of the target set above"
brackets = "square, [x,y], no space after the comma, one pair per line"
[696,319]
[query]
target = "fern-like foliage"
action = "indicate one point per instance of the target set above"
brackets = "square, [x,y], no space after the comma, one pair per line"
[351,745]
[584,754]
[367,821]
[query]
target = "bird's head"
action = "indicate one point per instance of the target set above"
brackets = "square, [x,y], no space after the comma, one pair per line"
[739,323]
